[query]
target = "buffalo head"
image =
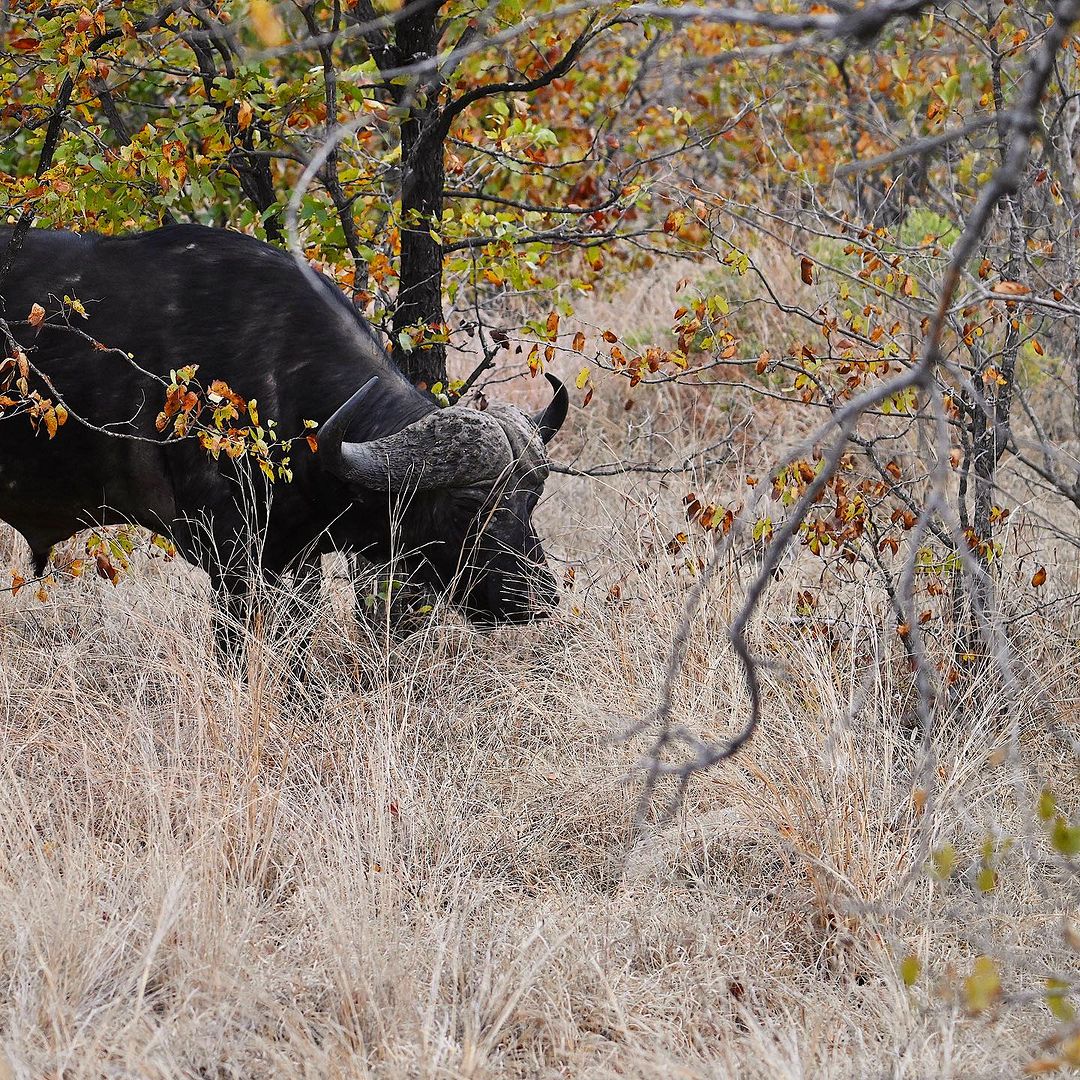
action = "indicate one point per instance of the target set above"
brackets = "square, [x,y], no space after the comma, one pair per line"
[469,482]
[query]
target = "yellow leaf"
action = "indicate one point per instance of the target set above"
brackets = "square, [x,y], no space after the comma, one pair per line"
[266,23]
[378,108]
[909,970]
[983,985]
[1071,1049]
[582,379]
[944,860]
[1057,1001]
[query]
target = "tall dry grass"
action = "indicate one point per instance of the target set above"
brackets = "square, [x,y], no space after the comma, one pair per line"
[426,862]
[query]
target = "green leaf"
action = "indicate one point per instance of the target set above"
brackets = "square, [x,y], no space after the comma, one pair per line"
[951,90]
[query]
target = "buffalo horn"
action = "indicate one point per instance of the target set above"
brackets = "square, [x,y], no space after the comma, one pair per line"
[352,462]
[549,421]
[446,448]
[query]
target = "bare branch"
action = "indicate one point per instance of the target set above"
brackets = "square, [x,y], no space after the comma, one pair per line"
[1022,124]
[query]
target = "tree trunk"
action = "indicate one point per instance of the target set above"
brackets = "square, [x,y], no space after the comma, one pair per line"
[994,379]
[420,299]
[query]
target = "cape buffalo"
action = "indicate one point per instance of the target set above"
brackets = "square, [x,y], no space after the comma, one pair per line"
[455,485]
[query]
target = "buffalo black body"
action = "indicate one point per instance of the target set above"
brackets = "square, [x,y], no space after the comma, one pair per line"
[246,314]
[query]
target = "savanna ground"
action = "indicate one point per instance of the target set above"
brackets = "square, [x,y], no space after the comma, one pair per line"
[428,863]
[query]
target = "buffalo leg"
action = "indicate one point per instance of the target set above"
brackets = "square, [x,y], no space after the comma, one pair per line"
[307,581]
[230,614]
[41,560]
[303,599]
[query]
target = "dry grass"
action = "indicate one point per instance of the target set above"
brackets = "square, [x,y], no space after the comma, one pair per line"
[427,864]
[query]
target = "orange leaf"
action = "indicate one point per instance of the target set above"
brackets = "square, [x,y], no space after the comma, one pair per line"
[553,324]
[579,342]
[806,270]
[1039,577]
[1010,288]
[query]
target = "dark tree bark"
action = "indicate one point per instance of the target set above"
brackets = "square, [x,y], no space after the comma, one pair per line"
[424,131]
[420,298]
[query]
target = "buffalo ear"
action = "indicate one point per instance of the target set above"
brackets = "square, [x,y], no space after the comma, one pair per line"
[548,422]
